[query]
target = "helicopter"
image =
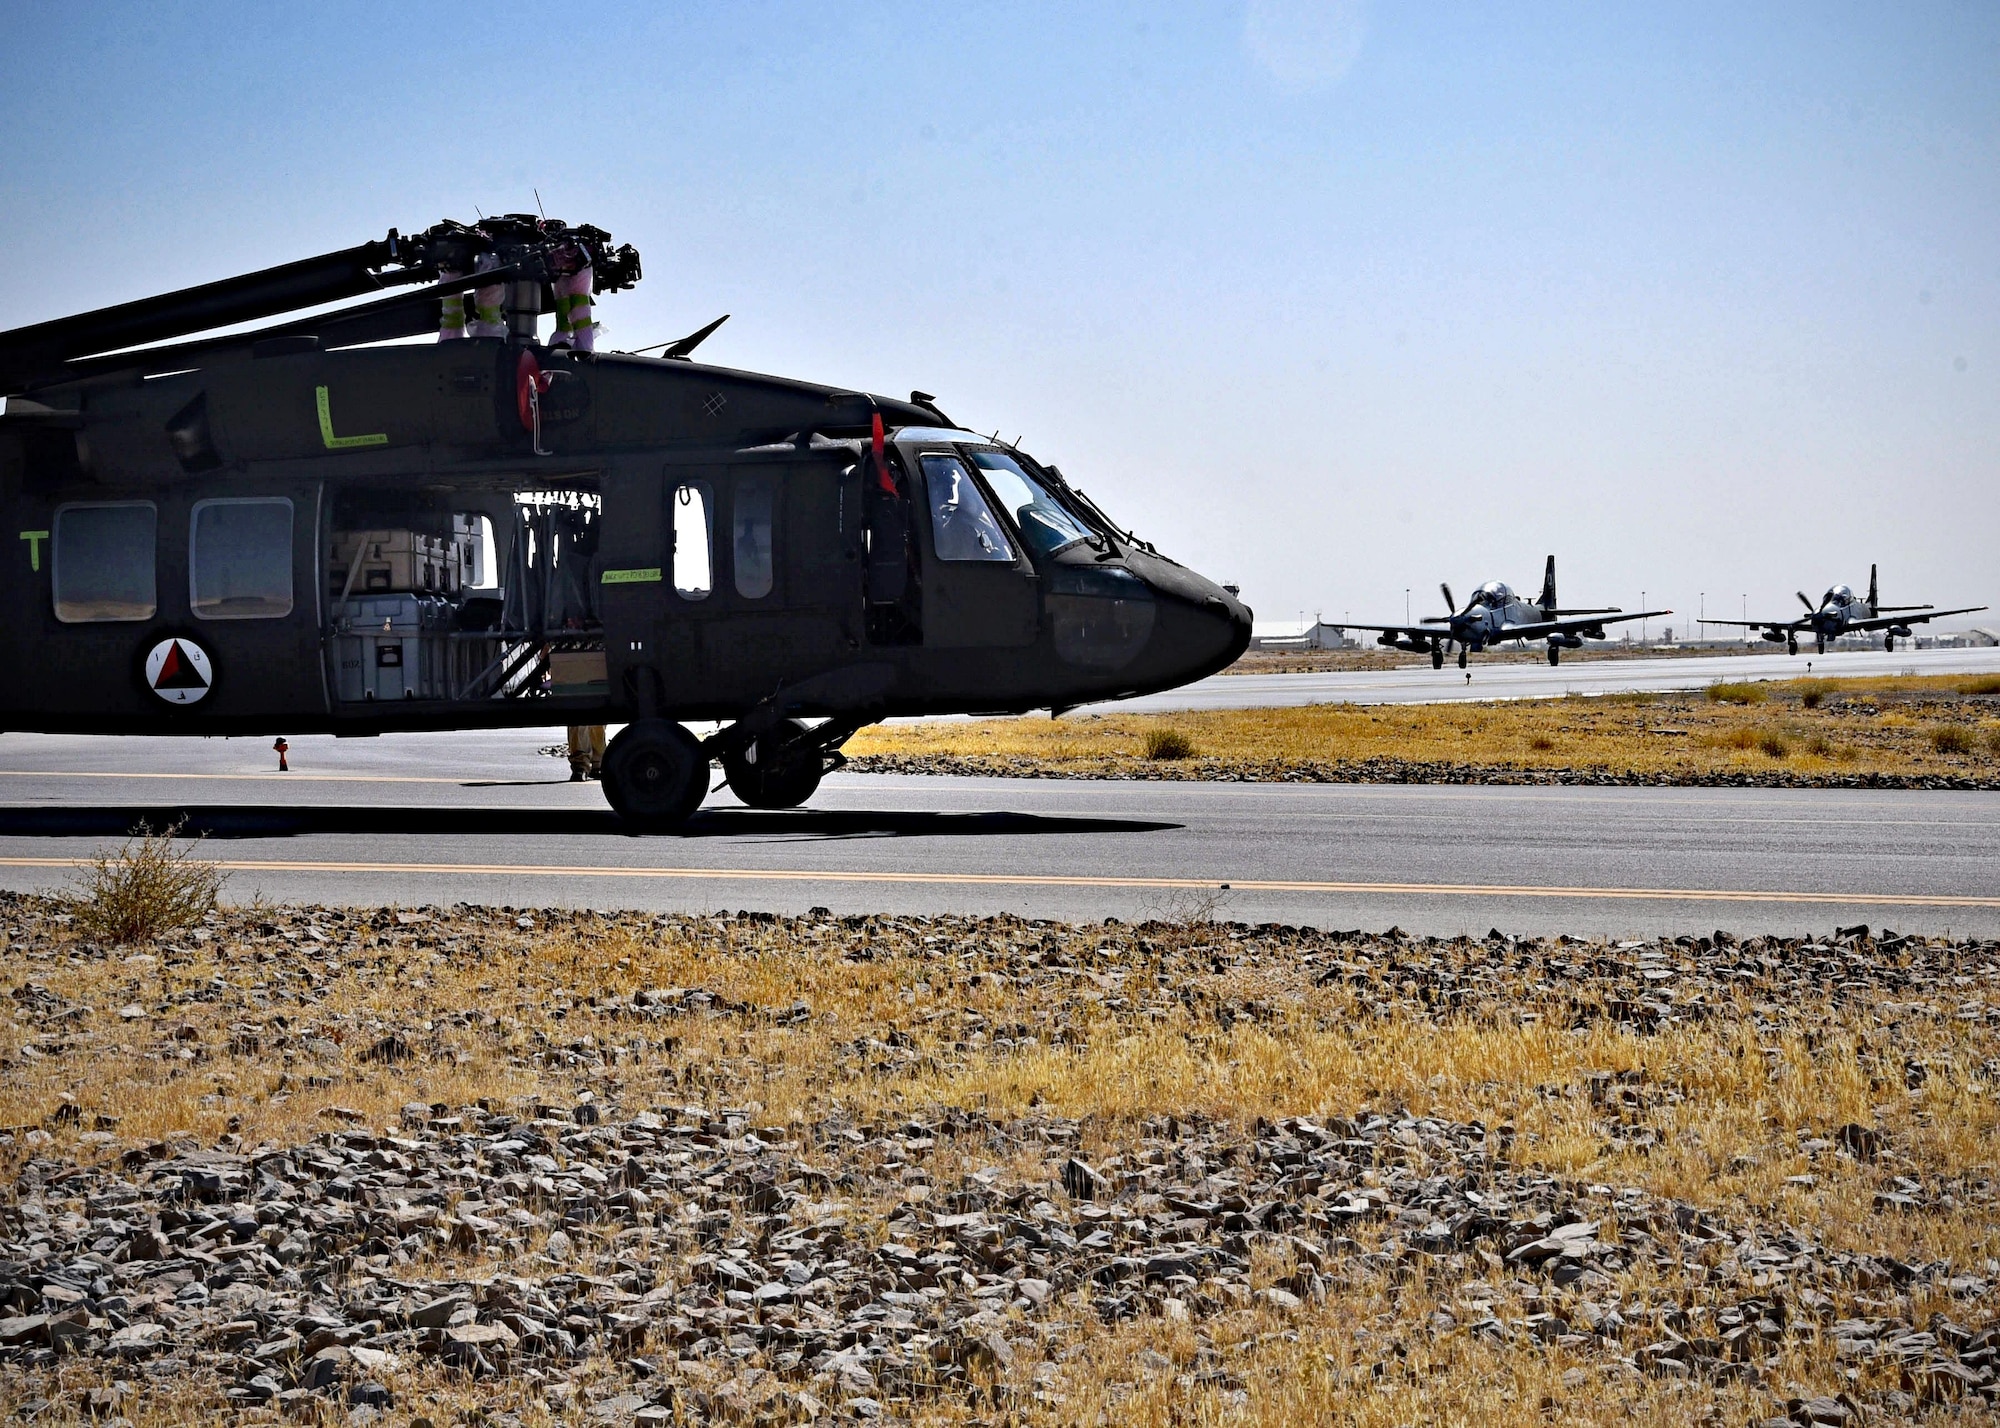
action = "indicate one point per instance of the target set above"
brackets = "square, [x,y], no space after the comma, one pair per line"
[1841,612]
[1495,613]
[311,526]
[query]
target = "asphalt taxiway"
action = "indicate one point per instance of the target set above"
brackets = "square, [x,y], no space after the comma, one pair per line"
[1421,684]
[444,818]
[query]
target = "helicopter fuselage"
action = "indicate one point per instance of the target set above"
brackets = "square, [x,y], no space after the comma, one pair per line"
[481,534]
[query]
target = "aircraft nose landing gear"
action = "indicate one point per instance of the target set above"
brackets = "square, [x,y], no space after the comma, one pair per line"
[1461,659]
[1437,658]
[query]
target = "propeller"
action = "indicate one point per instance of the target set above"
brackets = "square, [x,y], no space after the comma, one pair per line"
[1803,601]
[1450,605]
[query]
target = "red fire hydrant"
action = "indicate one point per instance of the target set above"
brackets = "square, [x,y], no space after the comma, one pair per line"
[281,746]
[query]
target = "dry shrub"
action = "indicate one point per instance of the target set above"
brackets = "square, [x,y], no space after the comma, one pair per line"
[1820,747]
[1737,692]
[147,887]
[1984,684]
[1952,739]
[1774,743]
[1993,741]
[1168,744]
[1541,743]
[1813,692]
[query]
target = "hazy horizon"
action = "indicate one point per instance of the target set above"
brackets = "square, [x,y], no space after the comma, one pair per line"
[1329,301]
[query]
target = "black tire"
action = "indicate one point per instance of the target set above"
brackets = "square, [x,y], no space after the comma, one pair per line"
[1888,644]
[654,774]
[777,769]
[1555,655]
[1791,647]
[1437,658]
[1461,659]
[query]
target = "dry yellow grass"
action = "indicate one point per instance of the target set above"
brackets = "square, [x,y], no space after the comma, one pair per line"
[266,1026]
[1920,728]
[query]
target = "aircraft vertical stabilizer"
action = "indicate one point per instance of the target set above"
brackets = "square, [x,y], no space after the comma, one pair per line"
[1874,600]
[1548,600]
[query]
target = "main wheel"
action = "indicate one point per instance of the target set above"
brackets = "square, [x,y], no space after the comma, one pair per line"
[1461,659]
[778,769]
[654,774]
[1888,644]
[1791,647]
[1555,655]
[1437,658]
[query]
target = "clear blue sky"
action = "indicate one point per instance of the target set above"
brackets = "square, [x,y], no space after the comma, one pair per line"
[1331,300]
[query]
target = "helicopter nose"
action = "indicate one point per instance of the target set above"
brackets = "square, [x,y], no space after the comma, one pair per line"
[1200,628]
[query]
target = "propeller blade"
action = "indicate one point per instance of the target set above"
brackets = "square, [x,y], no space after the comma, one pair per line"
[1803,601]
[1450,605]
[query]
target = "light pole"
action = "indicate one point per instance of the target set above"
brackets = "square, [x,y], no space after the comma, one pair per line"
[1406,604]
[1642,618]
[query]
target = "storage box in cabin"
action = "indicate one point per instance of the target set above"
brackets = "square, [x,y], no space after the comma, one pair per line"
[392,562]
[393,647]
[578,672]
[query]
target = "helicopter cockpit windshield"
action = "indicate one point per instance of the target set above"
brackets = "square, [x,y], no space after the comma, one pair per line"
[1044,524]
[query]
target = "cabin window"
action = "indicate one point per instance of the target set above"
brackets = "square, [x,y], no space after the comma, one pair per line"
[752,544]
[101,562]
[693,571]
[240,559]
[962,524]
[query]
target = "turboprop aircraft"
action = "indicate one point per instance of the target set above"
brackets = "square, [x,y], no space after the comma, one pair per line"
[1495,613]
[1841,612]
[285,530]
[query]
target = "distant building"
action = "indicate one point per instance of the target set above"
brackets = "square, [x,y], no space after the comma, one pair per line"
[1299,635]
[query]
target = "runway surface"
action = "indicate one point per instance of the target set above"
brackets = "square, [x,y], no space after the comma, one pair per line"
[441,818]
[1424,685]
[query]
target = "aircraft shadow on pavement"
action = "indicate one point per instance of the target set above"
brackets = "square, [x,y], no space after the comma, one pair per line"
[230,821]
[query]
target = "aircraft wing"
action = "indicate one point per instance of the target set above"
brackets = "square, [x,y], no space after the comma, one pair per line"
[1415,632]
[1883,622]
[1762,624]
[1542,629]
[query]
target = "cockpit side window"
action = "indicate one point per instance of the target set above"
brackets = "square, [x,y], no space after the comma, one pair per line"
[102,561]
[962,524]
[1045,524]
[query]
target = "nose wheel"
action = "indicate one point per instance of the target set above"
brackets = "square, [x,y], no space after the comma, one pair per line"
[1461,659]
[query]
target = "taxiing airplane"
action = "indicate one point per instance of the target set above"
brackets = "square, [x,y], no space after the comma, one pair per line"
[1495,614]
[1841,612]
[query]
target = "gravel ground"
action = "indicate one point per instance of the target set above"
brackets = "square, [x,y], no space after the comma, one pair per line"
[884,1169]
[1389,770]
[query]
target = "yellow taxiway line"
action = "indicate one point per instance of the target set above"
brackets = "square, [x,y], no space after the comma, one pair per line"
[1050,880]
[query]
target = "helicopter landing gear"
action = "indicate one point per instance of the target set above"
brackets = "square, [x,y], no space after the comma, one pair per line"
[655,774]
[1461,659]
[1555,655]
[1437,657]
[780,768]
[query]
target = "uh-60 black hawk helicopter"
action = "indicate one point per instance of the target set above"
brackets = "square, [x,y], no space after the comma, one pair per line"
[289,531]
